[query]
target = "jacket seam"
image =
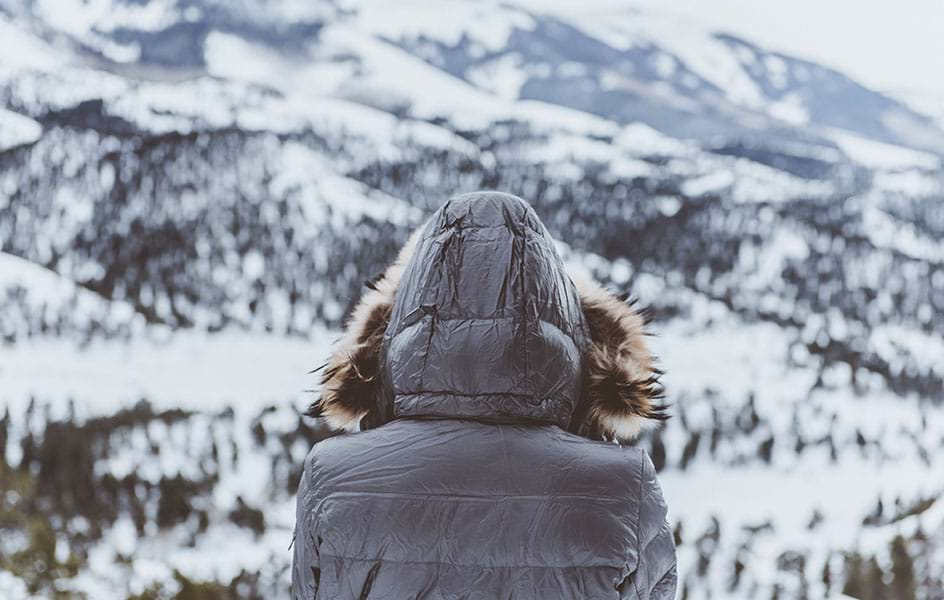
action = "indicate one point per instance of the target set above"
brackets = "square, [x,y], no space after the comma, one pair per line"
[568,332]
[651,540]
[524,221]
[662,577]
[524,312]
[457,497]
[639,547]
[466,565]
[315,514]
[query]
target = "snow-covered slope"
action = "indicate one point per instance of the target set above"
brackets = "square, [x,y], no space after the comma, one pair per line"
[622,65]
[193,191]
[15,129]
[36,301]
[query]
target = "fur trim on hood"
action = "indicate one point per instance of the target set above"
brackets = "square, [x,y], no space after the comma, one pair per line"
[621,389]
[350,383]
[621,386]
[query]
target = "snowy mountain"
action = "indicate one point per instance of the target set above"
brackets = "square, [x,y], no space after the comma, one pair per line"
[192,193]
[930,103]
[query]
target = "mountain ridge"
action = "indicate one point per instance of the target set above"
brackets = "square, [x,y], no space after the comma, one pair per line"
[631,67]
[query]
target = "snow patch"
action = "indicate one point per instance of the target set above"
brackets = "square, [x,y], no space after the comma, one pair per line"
[189,370]
[706,184]
[885,232]
[880,155]
[449,22]
[16,129]
[642,140]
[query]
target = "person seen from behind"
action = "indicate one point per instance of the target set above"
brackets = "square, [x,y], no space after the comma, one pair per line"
[487,387]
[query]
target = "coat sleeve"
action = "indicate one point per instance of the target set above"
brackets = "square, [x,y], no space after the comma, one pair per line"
[306,568]
[656,576]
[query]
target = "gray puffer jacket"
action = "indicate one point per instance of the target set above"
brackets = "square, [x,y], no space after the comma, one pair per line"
[489,387]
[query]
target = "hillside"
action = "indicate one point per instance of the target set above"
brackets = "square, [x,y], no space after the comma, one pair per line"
[192,193]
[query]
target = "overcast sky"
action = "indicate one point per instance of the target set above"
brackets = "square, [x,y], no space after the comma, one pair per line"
[892,45]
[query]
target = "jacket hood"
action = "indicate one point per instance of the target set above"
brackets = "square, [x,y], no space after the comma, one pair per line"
[478,318]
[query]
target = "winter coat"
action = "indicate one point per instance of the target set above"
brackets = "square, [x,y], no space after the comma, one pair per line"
[489,390]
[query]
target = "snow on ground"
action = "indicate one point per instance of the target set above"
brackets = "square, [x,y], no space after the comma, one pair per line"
[574,148]
[928,102]
[712,367]
[16,129]
[21,50]
[913,183]
[788,498]
[713,182]
[158,554]
[892,342]
[82,17]
[694,45]
[503,76]
[879,155]
[449,22]
[181,370]
[190,371]
[709,350]
[232,57]
[250,371]
[34,293]
[730,356]
[388,74]
[885,232]
[643,140]
[207,374]
[327,195]
[383,76]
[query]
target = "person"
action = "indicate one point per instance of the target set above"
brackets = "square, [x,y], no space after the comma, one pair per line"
[488,387]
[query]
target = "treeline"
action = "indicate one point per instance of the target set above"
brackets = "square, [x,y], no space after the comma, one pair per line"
[63,494]
[905,570]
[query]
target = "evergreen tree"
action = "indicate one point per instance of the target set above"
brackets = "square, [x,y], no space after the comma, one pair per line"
[766,449]
[826,577]
[854,586]
[875,581]
[737,572]
[875,517]
[658,452]
[4,432]
[677,534]
[903,585]
[691,448]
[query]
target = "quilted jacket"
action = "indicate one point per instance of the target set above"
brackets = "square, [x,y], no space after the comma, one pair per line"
[488,388]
